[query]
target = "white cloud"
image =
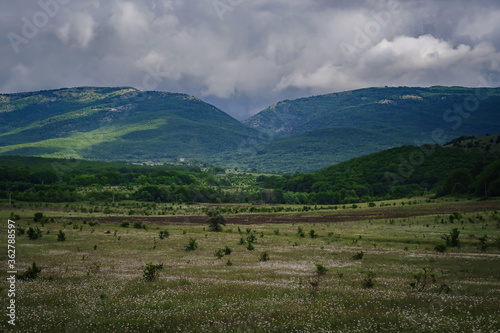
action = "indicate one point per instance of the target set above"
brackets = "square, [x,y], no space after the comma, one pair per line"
[130,20]
[412,55]
[480,25]
[79,30]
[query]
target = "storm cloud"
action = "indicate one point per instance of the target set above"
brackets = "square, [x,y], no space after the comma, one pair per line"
[243,55]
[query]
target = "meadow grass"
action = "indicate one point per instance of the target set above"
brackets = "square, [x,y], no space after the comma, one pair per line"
[93,281]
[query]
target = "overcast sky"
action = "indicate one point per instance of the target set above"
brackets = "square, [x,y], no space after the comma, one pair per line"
[243,55]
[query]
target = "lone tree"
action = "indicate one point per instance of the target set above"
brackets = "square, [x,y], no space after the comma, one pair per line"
[215,220]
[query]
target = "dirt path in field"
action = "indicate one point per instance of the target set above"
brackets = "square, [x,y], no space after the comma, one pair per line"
[343,215]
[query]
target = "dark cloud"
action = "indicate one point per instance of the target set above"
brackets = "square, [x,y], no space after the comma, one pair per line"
[244,55]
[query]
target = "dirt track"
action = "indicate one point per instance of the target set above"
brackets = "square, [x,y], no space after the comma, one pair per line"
[348,215]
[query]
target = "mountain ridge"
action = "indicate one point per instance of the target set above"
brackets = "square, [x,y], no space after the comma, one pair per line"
[302,135]
[93,121]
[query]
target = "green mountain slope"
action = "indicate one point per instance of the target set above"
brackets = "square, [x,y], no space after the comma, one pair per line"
[409,110]
[488,143]
[115,124]
[311,151]
[314,132]
[394,173]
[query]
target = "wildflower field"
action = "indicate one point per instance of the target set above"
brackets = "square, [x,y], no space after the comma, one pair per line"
[430,273]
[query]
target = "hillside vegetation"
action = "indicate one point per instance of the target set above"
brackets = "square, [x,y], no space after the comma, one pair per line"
[385,175]
[115,124]
[406,109]
[303,135]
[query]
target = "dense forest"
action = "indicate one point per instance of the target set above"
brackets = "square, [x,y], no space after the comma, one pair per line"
[402,172]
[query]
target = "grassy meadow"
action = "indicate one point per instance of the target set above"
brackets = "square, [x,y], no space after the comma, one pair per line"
[372,275]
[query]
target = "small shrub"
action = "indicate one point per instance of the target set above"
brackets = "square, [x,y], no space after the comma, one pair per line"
[125,224]
[483,243]
[229,263]
[164,234]
[312,234]
[61,237]
[227,251]
[93,223]
[31,273]
[358,256]
[192,245]
[38,217]
[422,279]
[151,271]
[251,238]
[320,269]
[242,241]
[20,231]
[137,224]
[264,256]
[277,232]
[250,247]
[371,204]
[368,282]
[452,240]
[219,253]
[34,233]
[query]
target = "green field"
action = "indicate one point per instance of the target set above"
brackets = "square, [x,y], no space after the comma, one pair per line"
[93,281]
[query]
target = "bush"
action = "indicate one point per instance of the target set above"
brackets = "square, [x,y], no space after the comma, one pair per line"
[31,273]
[358,256]
[151,271]
[215,220]
[34,233]
[251,238]
[250,247]
[312,233]
[452,240]
[192,245]
[227,251]
[264,256]
[61,237]
[320,269]
[125,224]
[38,217]
[484,243]
[371,204]
[138,225]
[20,231]
[422,279]
[219,253]
[93,223]
[368,282]
[164,234]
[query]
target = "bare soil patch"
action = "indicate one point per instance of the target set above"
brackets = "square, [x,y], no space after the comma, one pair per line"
[342,215]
